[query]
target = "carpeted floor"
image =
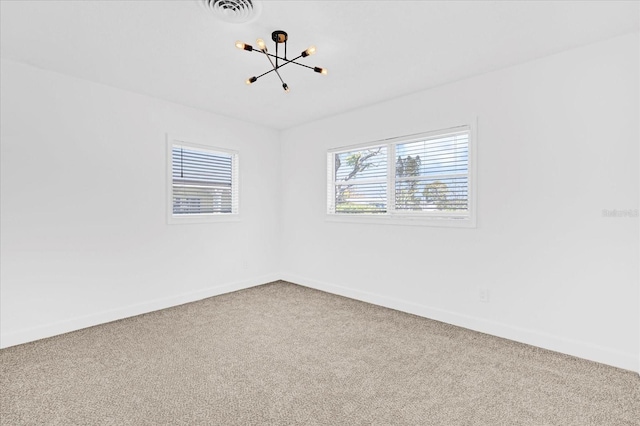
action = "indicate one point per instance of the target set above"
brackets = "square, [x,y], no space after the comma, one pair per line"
[281,354]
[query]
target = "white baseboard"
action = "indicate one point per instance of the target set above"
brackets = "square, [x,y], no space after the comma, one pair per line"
[560,344]
[532,337]
[77,323]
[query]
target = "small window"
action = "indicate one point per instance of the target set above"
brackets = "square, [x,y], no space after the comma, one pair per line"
[360,181]
[203,182]
[425,177]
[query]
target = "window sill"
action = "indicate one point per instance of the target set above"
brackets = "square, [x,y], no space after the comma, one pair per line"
[402,220]
[204,218]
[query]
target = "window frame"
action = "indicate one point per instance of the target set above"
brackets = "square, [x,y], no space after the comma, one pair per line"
[235,184]
[400,217]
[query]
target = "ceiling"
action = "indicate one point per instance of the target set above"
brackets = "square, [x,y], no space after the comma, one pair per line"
[374,50]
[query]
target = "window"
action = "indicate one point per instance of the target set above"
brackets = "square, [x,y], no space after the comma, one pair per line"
[424,177]
[360,184]
[203,182]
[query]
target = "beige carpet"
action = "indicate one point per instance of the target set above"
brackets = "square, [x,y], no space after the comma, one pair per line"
[281,354]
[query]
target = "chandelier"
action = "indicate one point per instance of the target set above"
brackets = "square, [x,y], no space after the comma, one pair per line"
[279,37]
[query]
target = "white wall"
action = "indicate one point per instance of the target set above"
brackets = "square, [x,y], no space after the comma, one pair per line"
[557,144]
[84,227]
[84,235]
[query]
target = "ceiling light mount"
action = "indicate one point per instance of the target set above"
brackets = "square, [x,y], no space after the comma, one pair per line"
[278,37]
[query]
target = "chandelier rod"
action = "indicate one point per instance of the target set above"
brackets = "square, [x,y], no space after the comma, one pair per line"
[287,61]
[284,85]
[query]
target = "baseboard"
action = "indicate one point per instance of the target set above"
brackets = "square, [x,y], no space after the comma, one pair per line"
[560,344]
[77,323]
[532,337]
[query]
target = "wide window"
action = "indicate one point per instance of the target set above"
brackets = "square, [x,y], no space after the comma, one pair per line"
[425,176]
[203,182]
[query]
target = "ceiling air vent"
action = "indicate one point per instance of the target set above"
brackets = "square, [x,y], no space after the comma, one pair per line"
[234,11]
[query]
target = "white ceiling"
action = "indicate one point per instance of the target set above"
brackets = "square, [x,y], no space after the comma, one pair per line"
[374,50]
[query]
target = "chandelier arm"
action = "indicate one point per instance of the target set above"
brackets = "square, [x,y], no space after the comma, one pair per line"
[279,66]
[265,73]
[274,67]
[281,58]
[282,65]
[302,65]
[290,61]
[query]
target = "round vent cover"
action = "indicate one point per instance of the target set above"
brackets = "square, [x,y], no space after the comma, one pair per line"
[234,11]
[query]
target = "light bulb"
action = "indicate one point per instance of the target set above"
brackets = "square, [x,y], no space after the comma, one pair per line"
[285,87]
[251,80]
[309,51]
[261,45]
[322,71]
[241,45]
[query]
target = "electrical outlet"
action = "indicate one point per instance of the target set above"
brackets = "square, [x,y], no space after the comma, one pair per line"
[483,294]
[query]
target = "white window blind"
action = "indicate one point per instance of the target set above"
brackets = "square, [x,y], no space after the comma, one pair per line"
[432,174]
[204,181]
[429,177]
[359,181]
